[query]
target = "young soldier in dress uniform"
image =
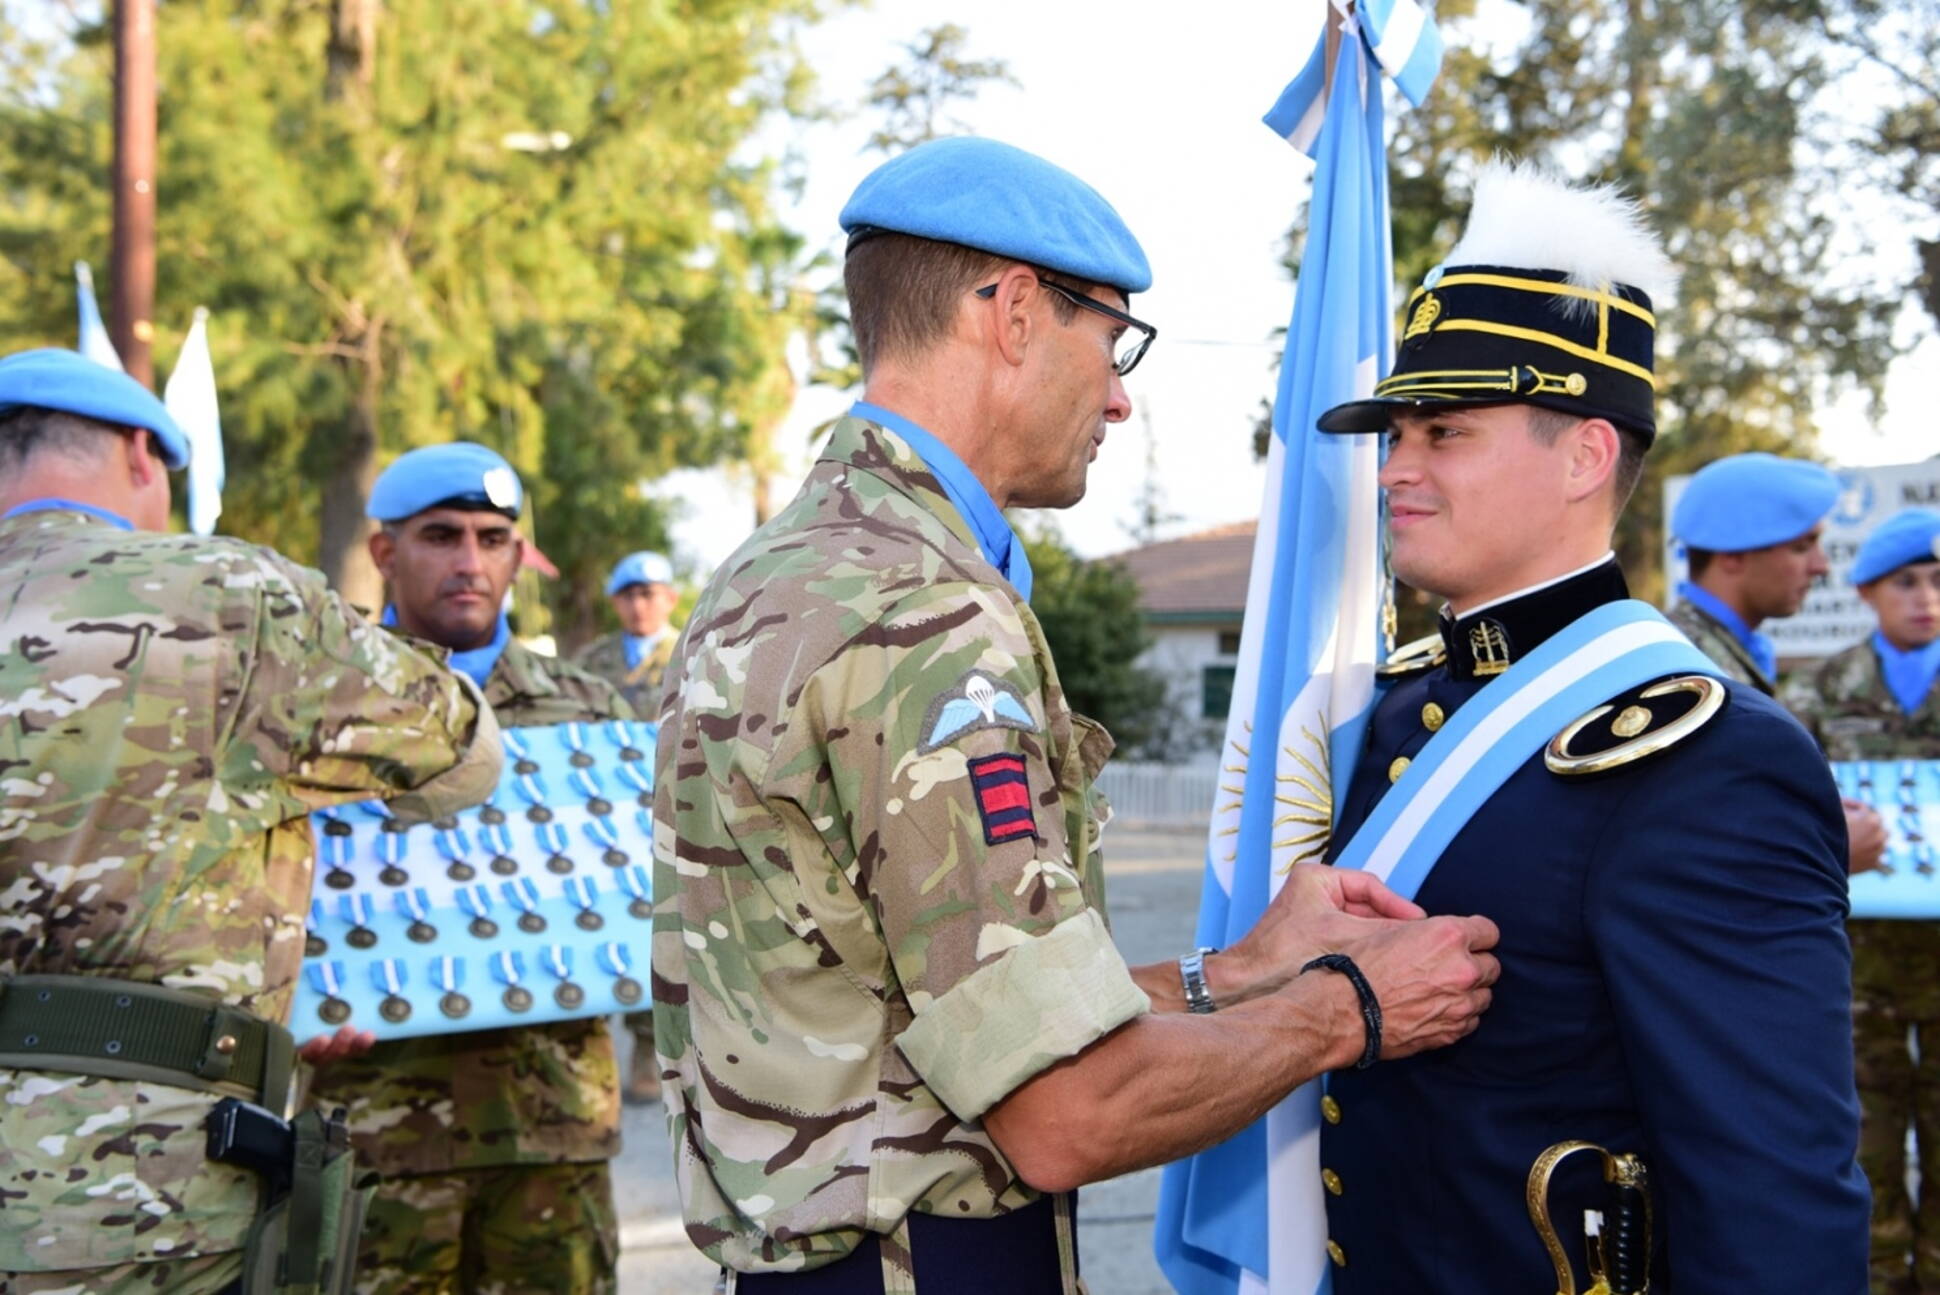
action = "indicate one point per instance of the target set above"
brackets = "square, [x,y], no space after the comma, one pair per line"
[634,661]
[1750,526]
[1877,700]
[494,1144]
[1667,875]
[896,1028]
[172,708]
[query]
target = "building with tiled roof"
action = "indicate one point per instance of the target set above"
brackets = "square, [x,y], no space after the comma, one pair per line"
[1192,591]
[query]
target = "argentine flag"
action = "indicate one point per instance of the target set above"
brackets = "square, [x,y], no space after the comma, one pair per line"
[191,399]
[1248,1215]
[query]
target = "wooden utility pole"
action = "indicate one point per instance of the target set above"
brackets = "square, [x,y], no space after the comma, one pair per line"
[132,270]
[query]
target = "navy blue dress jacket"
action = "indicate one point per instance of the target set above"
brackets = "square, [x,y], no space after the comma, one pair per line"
[1675,983]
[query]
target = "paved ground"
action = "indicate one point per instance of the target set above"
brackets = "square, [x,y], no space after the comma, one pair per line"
[1154,896]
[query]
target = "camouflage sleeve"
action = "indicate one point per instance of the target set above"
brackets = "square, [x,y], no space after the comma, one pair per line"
[1800,694]
[956,772]
[335,709]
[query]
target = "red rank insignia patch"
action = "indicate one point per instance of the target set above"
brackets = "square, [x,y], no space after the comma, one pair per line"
[1003,798]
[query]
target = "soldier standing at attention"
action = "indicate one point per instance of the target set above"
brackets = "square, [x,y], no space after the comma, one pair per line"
[1877,700]
[897,1031]
[1750,526]
[634,660]
[172,708]
[493,1144]
[1666,864]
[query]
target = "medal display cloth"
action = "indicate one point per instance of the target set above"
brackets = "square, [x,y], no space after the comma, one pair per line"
[1907,795]
[533,907]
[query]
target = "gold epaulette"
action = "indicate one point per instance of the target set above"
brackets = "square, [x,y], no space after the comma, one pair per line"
[1424,653]
[1635,726]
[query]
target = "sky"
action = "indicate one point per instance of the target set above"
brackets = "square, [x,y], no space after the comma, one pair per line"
[1158,107]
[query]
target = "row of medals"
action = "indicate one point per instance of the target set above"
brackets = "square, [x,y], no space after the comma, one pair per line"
[517,998]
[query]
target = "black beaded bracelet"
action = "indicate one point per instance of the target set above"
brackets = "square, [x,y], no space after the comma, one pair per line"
[1370,1005]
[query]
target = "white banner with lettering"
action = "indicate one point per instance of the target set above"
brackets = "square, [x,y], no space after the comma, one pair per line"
[1833,616]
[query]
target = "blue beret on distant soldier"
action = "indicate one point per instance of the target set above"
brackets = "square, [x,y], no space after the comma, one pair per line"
[462,475]
[999,199]
[1752,501]
[1900,540]
[643,568]
[67,381]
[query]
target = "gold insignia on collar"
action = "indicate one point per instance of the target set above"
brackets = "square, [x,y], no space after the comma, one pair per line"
[1424,318]
[1645,741]
[1490,648]
[1418,654]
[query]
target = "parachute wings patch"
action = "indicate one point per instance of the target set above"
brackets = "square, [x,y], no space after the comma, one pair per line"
[975,702]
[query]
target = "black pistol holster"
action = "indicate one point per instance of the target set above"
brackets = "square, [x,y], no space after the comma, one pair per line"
[304,1239]
[304,1242]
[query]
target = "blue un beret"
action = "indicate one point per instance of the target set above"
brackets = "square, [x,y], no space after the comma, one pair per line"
[70,382]
[1001,200]
[1902,539]
[1752,501]
[459,475]
[643,568]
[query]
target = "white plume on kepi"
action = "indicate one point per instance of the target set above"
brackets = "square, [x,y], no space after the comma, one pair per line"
[1526,215]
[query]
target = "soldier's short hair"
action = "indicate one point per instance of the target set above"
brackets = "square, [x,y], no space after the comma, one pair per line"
[1548,424]
[904,292]
[1697,560]
[28,431]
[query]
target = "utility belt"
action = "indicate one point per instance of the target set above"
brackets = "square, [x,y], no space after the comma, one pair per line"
[304,1238]
[1029,1251]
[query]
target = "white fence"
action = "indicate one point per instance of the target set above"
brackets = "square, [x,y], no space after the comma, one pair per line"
[1160,794]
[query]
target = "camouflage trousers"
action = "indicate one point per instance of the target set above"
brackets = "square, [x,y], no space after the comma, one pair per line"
[1897,1093]
[511,1230]
[203,1275]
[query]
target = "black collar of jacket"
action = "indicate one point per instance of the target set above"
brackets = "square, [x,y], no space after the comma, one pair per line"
[1487,641]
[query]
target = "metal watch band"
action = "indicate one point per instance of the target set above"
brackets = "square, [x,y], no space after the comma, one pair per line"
[1192,974]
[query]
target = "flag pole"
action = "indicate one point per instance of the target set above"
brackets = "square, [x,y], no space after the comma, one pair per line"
[132,271]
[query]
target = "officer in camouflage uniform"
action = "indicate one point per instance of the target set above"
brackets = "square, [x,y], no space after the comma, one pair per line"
[172,708]
[1877,700]
[895,1028]
[493,1144]
[1750,526]
[634,660]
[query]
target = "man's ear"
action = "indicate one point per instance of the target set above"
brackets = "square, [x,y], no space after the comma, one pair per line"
[1009,312]
[383,551]
[1595,448]
[144,459]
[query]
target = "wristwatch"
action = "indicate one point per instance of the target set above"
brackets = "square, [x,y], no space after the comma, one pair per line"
[1192,974]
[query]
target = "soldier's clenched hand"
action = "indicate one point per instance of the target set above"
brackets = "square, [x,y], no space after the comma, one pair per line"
[1317,908]
[1865,836]
[1431,977]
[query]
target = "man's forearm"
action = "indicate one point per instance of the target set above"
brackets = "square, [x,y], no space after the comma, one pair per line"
[1167,1084]
[1229,978]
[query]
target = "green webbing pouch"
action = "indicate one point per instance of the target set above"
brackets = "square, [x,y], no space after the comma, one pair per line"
[305,1242]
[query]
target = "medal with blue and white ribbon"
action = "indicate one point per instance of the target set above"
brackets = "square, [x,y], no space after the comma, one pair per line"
[388,975]
[585,897]
[553,840]
[525,778]
[327,978]
[523,895]
[448,974]
[314,945]
[476,901]
[637,884]
[390,845]
[601,832]
[456,849]
[415,904]
[625,734]
[497,838]
[616,960]
[335,849]
[584,778]
[558,960]
[356,910]
[508,968]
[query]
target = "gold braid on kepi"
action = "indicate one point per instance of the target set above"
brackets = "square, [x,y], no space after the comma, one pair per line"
[1546,300]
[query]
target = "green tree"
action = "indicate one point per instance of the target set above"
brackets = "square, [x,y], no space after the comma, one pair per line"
[545,227]
[915,98]
[1091,620]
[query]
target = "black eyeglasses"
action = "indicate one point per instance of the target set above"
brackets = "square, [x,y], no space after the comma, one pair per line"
[1131,346]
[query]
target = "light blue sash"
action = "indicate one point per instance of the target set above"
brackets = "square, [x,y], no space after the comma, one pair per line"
[1601,654]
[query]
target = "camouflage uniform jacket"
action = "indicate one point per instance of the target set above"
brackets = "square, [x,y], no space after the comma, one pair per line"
[1844,702]
[640,684]
[1720,644]
[879,903]
[171,710]
[542,1094]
